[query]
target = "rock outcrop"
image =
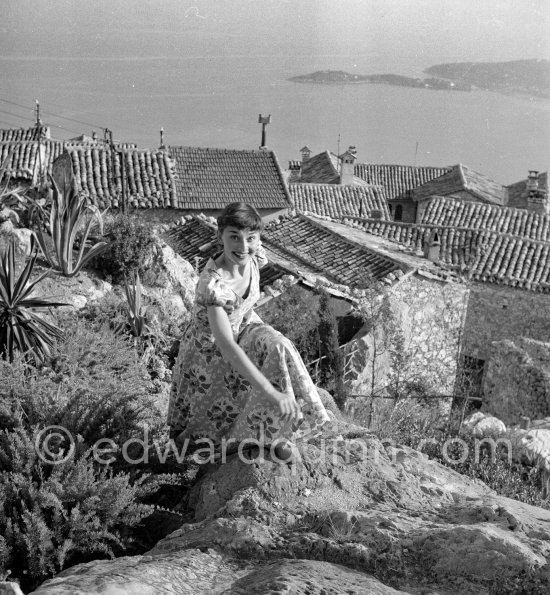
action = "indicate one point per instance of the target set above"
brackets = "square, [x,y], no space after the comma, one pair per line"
[351,516]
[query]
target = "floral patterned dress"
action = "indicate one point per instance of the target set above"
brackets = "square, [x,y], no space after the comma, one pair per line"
[210,400]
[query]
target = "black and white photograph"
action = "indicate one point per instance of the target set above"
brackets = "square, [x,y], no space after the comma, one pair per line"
[274,297]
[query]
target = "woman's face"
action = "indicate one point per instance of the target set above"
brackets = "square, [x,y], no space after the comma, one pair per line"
[239,244]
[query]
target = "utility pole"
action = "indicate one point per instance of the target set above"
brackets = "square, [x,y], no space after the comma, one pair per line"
[108,135]
[38,120]
[264,121]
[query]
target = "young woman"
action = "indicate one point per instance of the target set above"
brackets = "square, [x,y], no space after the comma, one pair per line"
[237,378]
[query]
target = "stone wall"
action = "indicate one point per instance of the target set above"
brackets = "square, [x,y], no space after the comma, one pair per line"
[517,380]
[498,313]
[430,314]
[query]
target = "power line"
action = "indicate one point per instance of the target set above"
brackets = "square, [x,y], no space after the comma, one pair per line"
[55,115]
[16,115]
[32,120]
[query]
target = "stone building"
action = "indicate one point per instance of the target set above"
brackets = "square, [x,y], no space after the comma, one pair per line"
[508,275]
[427,304]
[398,182]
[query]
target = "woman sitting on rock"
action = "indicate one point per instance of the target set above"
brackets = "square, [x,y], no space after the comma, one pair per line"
[236,378]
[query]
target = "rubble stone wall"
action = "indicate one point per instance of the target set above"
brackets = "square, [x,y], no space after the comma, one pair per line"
[517,380]
[498,313]
[430,313]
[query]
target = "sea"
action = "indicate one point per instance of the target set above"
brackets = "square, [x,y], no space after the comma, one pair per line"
[215,100]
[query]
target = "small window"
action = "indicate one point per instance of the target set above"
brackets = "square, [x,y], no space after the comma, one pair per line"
[398,213]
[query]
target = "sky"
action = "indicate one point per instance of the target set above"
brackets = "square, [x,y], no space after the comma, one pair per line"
[466,29]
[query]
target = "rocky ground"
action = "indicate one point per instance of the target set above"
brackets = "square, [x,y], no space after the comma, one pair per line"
[352,516]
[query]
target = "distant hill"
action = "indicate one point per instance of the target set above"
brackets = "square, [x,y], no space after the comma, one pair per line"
[339,77]
[520,76]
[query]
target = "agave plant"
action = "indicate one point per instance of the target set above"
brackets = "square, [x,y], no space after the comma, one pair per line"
[136,310]
[70,214]
[21,328]
[12,199]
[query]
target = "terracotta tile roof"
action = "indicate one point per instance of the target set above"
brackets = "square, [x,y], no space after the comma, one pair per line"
[24,134]
[26,159]
[213,178]
[397,180]
[334,200]
[193,238]
[311,249]
[492,257]
[149,176]
[298,245]
[476,215]
[320,169]
[517,193]
[459,179]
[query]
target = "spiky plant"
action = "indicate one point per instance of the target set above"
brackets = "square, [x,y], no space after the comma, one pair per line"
[70,214]
[12,199]
[136,310]
[21,328]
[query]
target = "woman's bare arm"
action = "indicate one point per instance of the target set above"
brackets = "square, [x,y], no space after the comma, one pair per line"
[234,354]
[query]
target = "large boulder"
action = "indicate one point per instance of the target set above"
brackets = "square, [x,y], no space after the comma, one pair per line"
[352,515]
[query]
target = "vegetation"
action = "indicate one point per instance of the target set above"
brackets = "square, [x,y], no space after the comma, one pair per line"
[517,76]
[315,336]
[21,328]
[93,386]
[71,218]
[131,248]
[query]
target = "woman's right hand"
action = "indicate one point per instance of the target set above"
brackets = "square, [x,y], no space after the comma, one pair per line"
[287,405]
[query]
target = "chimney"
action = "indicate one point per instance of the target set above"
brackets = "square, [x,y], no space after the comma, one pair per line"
[347,161]
[306,152]
[537,194]
[161,146]
[94,136]
[532,180]
[432,246]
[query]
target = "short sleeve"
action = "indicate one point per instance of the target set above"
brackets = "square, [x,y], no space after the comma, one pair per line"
[260,255]
[211,290]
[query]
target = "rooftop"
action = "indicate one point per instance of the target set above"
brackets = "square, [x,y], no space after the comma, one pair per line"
[517,193]
[397,180]
[320,169]
[311,249]
[334,200]
[476,215]
[488,256]
[212,178]
[461,178]
[24,134]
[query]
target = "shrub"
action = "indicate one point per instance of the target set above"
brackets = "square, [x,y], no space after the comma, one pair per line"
[54,516]
[131,248]
[294,313]
[93,384]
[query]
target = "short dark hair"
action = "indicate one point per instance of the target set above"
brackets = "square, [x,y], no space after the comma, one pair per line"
[240,215]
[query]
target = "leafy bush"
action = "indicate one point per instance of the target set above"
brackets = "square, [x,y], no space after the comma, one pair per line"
[54,516]
[93,384]
[508,478]
[131,248]
[295,314]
